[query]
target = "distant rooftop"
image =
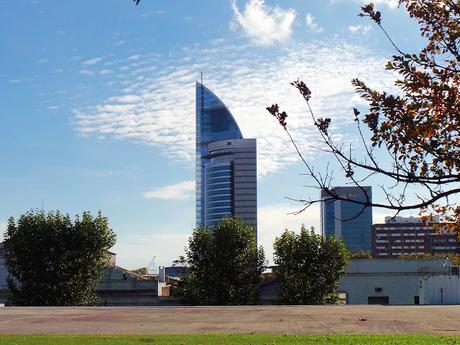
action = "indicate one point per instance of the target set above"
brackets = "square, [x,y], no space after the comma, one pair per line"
[407,220]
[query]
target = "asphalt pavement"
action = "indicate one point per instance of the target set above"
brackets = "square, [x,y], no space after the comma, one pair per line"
[238,319]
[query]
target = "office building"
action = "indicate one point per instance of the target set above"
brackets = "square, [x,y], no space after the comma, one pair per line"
[348,220]
[226,164]
[410,236]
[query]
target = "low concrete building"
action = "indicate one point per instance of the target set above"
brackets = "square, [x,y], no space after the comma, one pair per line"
[120,287]
[381,281]
[440,289]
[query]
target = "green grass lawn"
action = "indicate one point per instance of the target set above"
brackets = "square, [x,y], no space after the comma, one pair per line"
[221,339]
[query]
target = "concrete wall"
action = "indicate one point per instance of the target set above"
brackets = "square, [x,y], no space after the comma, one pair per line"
[120,287]
[440,289]
[399,280]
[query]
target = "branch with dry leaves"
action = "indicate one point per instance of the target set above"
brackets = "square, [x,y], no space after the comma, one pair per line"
[418,129]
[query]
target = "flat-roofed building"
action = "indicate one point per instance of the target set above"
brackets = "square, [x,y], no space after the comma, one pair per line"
[410,236]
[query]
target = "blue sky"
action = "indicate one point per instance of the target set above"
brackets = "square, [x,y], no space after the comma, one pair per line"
[97,106]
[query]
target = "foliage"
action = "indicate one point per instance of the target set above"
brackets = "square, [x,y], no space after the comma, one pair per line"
[416,127]
[227,339]
[54,260]
[224,265]
[361,255]
[454,257]
[140,271]
[309,266]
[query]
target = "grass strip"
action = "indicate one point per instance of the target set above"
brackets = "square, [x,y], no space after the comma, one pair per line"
[224,339]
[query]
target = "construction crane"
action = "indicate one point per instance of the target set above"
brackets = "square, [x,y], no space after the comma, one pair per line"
[151,266]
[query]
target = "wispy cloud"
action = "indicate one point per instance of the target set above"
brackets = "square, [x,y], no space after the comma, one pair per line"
[179,191]
[127,99]
[87,72]
[158,109]
[118,43]
[106,71]
[360,29]
[311,23]
[217,41]
[92,61]
[263,24]
[15,81]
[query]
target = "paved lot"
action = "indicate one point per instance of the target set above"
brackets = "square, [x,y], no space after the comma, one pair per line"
[258,319]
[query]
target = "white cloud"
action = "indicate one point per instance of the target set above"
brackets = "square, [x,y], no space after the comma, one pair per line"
[106,71]
[53,107]
[159,109]
[92,61]
[179,191]
[217,41]
[389,3]
[118,43]
[378,215]
[311,23]
[359,29]
[127,99]
[274,219]
[87,72]
[263,24]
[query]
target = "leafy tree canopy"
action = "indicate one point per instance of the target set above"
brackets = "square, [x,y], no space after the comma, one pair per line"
[309,266]
[361,255]
[224,265]
[54,260]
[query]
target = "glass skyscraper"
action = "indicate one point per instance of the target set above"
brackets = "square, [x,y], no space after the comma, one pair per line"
[348,220]
[226,164]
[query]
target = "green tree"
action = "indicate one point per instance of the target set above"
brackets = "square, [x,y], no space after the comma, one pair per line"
[54,260]
[141,271]
[309,266]
[224,265]
[361,255]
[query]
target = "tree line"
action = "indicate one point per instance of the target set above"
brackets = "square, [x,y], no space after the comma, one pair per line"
[54,260]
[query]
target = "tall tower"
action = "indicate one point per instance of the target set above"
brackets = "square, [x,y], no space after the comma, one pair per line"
[348,220]
[226,164]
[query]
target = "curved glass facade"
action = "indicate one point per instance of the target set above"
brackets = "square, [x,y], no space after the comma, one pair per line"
[219,146]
